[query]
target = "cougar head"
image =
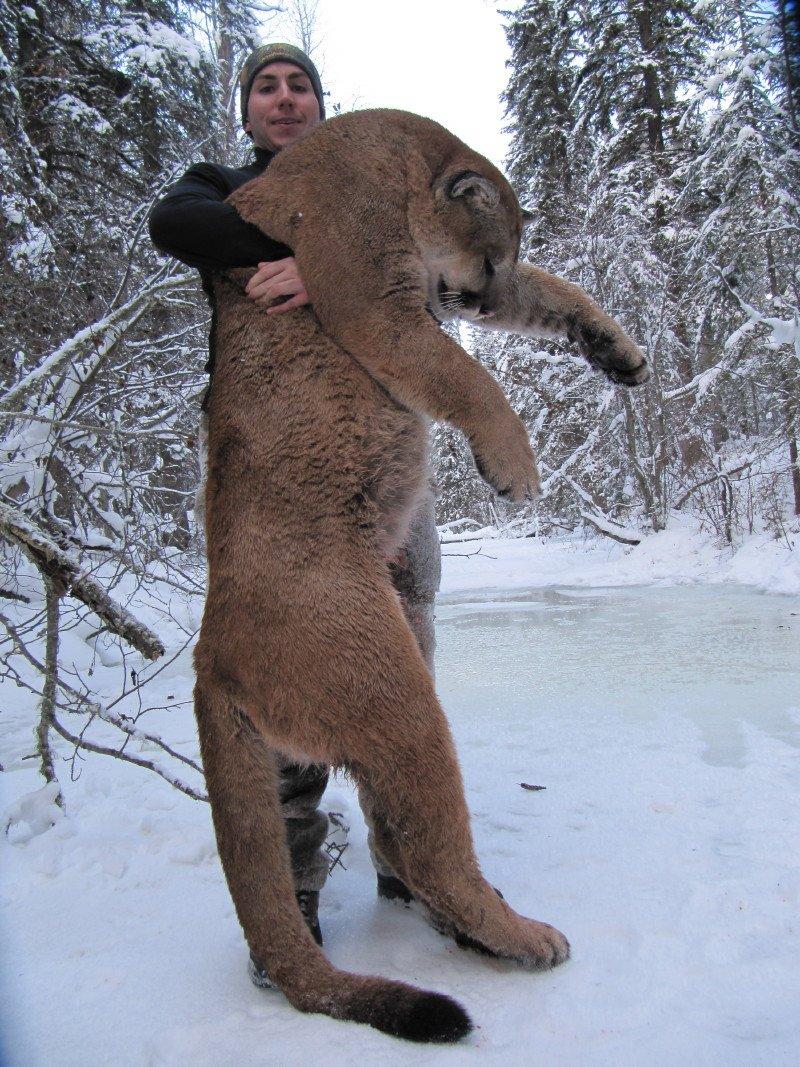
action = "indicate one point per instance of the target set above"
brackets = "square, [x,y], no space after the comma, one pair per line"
[469,241]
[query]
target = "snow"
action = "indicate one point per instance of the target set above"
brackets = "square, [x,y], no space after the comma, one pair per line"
[785,332]
[33,251]
[151,45]
[33,814]
[678,555]
[69,108]
[747,133]
[653,691]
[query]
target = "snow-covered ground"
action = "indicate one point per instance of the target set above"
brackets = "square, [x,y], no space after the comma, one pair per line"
[658,703]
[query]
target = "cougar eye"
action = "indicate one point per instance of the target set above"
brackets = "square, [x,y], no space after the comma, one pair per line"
[488,267]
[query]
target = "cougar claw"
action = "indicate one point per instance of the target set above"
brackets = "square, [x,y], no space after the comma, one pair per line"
[513,477]
[616,356]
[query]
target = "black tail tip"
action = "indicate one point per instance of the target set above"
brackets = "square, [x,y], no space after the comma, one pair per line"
[403,1011]
[435,1018]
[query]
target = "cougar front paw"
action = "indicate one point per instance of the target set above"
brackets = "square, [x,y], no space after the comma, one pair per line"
[613,352]
[508,465]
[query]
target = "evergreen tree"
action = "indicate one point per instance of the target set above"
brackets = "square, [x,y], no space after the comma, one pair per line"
[656,142]
[745,264]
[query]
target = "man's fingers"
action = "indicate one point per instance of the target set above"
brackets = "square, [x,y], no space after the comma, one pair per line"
[275,266]
[267,271]
[283,285]
[274,280]
[258,285]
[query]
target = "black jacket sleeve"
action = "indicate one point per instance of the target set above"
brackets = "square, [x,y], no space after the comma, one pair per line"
[193,223]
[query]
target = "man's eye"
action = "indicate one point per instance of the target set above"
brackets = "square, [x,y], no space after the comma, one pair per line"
[301,88]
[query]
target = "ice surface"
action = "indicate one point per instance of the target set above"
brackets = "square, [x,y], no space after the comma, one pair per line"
[663,722]
[720,657]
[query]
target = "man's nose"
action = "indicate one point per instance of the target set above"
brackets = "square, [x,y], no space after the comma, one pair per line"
[284,94]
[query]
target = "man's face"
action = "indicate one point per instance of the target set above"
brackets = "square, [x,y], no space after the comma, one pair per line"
[281,106]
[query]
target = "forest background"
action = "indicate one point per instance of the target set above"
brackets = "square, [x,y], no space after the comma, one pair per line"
[656,141]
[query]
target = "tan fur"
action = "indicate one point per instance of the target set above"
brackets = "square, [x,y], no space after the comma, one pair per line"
[317,456]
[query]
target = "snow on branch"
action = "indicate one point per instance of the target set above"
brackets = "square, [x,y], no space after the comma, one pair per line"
[100,336]
[598,518]
[61,567]
[583,449]
[699,384]
[610,529]
[728,471]
[126,757]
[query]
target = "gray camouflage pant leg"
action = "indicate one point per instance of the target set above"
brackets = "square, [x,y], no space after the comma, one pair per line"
[300,790]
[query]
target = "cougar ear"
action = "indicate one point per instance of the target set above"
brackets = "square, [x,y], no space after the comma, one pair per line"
[527,217]
[471,184]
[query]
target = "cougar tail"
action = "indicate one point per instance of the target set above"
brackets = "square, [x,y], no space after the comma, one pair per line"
[241,777]
[399,1009]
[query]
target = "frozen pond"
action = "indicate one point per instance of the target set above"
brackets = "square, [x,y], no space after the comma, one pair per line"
[664,724]
[719,656]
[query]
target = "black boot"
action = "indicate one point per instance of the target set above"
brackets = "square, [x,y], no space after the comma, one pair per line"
[308,903]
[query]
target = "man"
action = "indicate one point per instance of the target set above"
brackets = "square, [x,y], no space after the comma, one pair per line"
[281,99]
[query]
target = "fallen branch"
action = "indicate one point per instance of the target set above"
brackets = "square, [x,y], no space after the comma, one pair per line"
[610,529]
[465,555]
[598,520]
[100,337]
[64,571]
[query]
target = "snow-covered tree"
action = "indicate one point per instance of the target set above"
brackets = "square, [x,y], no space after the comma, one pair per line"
[102,342]
[656,142]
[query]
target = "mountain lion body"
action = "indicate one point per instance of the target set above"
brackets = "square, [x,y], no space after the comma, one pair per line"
[317,457]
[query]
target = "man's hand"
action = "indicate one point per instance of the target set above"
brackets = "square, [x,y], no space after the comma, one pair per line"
[274,280]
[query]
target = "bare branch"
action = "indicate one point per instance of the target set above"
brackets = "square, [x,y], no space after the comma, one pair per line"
[61,568]
[149,765]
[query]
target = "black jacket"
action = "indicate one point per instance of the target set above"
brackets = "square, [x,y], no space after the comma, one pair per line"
[193,223]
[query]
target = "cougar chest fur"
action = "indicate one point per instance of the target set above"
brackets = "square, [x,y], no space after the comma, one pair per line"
[334,453]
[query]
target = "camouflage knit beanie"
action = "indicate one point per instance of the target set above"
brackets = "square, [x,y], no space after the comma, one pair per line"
[277,53]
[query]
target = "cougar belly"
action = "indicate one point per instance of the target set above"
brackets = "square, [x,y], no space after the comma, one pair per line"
[301,435]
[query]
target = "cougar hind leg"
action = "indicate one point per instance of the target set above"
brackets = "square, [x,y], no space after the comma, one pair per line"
[423,832]
[242,782]
[376,713]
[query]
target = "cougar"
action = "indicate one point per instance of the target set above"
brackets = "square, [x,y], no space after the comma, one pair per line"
[317,456]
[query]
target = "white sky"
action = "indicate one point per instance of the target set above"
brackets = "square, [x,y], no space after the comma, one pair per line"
[441,58]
